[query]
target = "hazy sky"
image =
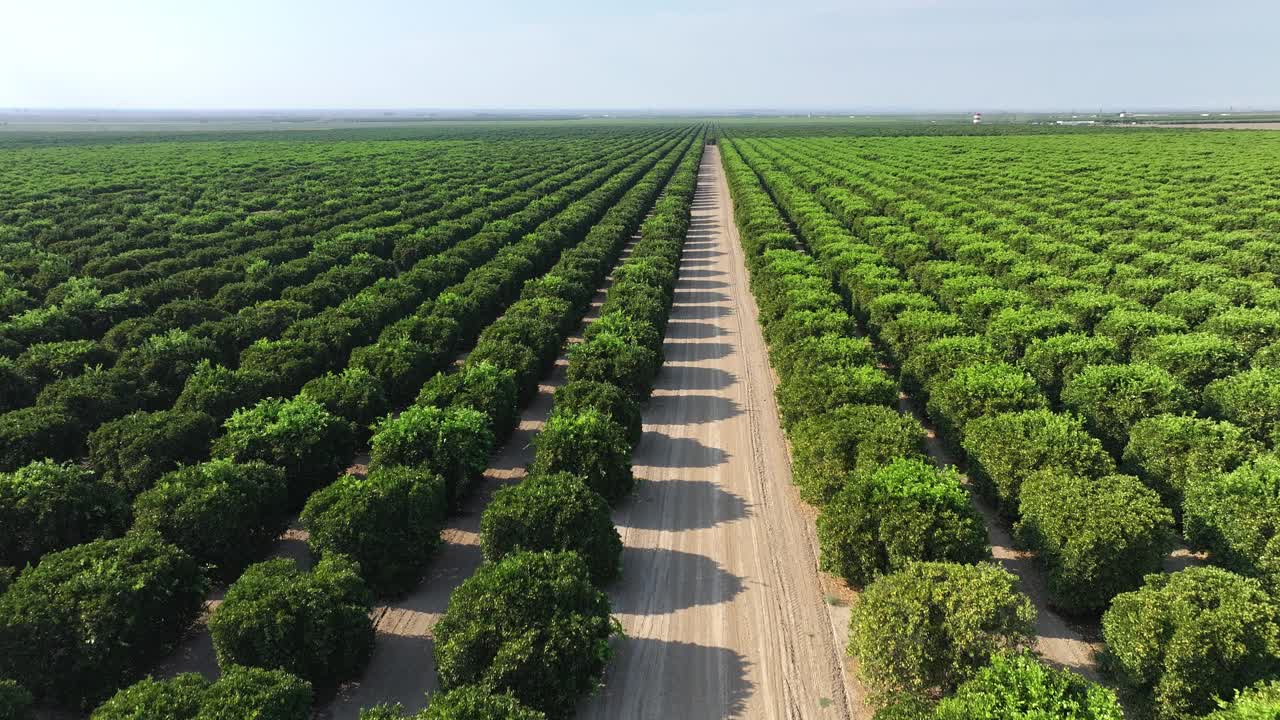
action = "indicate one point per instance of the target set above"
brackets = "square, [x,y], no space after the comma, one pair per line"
[917,54]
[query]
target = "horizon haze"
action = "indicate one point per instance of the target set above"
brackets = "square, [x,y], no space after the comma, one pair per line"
[856,56]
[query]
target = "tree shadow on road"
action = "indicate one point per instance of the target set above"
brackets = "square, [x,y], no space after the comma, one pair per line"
[669,679]
[698,297]
[689,410]
[657,581]
[677,505]
[679,452]
[693,330]
[702,284]
[694,378]
[700,272]
[695,351]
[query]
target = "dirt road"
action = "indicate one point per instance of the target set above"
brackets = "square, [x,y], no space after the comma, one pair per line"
[720,596]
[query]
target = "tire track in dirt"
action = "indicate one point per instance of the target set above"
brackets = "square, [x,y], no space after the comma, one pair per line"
[720,597]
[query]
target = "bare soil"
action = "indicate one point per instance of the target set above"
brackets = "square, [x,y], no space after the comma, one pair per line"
[723,606]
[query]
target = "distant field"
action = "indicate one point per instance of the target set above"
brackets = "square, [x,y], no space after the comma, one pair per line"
[442,406]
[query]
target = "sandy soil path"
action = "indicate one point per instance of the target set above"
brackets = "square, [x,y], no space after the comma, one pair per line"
[720,596]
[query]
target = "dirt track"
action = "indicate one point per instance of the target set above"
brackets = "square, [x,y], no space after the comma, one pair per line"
[720,596]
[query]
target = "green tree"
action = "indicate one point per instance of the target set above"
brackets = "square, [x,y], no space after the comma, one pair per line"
[388,522]
[1187,637]
[903,512]
[312,624]
[531,624]
[931,626]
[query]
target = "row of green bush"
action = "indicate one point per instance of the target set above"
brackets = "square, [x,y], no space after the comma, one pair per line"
[1095,530]
[169,369]
[933,618]
[300,445]
[376,535]
[127,294]
[1137,410]
[530,630]
[1097,533]
[883,505]
[134,452]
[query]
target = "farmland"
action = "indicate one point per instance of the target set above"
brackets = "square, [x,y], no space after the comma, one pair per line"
[1087,325]
[640,419]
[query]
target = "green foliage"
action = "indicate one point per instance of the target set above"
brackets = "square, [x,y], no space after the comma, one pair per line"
[1113,398]
[400,363]
[1250,399]
[860,439]
[905,511]
[933,363]
[134,451]
[1089,307]
[531,624]
[1193,306]
[453,442]
[46,506]
[15,701]
[1249,328]
[1017,686]
[162,364]
[222,513]
[177,699]
[822,350]
[388,522]
[882,310]
[241,692]
[1260,702]
[553,512]
[821,389]
[45,362]
[1188,637]
[474,702]
[932,626]
[573,398]
[1053,361]
[589,445]
[314,624]
[1129,326]
[1195,359]
[905,706]
[297,434]
[92,618]
[1172,453]
[801,323]
[1095,536]
[610,358]
[219,391]
[289,363]
[975,391]
[37,432]
[91,398]
[1013,329]
[1234,517]
[914,328]
[17,388]
[1007,448]
[480,386]
[466,702]
[355,395]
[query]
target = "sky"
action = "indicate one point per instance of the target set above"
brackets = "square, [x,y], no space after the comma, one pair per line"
[957,55]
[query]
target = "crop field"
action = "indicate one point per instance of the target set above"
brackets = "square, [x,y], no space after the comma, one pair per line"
[628,419]
[1088,325]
